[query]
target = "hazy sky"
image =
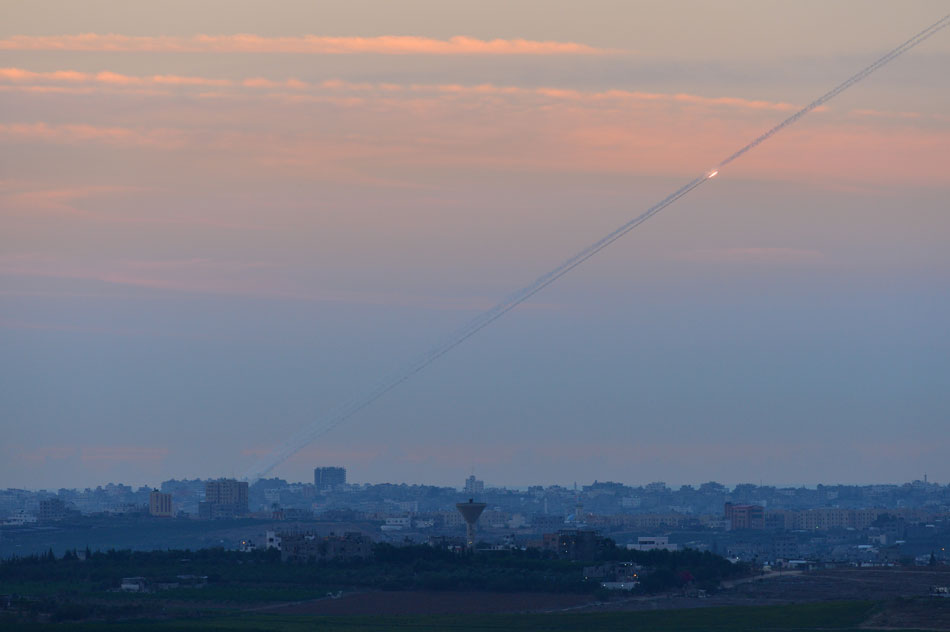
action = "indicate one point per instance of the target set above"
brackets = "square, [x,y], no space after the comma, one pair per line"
[220,219]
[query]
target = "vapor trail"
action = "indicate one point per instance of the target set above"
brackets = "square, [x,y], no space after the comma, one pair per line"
[340,414]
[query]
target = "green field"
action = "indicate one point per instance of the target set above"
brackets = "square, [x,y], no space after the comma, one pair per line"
[816,616]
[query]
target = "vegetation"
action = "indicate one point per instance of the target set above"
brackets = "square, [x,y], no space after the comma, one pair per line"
[672,569]
[261,576]
[82,587]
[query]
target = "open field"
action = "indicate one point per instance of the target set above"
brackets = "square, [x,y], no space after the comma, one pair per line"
[846,584]
[824,616]
[427,602]
[893,598]
[849,583]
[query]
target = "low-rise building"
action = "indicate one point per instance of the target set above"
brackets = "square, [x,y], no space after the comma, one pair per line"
[574,544]
[653,543]
[309,547]
[19,518]
[134,584]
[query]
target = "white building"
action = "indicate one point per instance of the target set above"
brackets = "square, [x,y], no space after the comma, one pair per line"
[133,584]
[652,543]
[397,523]
[19,518]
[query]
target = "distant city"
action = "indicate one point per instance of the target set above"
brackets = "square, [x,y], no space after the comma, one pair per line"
[772,526]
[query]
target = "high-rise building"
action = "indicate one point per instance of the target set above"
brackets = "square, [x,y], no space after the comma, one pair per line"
[329,477]
[160,504]
[224,498]
[473,486]
[52,509]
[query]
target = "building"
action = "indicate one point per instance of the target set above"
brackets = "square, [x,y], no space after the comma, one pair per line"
[329,477]
[397,523]
[473,486]
[822,519]
[19,518]
[160,504]
[224,498]
[574,544]
[134,584]
[449,519]
[545,523]
[745,516]
[615,575]
[653,543]
[785,547]
[51,510]
[308,547]
[227,491]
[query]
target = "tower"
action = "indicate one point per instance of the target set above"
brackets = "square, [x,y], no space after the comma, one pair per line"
[329,478]
[470,512]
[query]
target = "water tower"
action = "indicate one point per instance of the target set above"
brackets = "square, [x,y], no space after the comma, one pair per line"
[470,512]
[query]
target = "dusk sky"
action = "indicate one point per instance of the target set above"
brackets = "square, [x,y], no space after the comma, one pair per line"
[223,218]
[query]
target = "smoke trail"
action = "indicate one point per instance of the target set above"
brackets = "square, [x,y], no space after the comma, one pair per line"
[844,85]
[348,409]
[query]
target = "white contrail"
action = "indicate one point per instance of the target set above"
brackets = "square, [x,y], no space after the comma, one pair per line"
[340,414]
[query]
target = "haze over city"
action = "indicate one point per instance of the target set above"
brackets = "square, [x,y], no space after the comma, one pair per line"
[221,223]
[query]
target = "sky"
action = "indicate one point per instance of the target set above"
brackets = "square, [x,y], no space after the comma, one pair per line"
[221,219]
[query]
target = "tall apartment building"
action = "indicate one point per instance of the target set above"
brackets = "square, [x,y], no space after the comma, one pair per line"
[160,504]
[745,516]
[224,498]
[51,510]
[473,486]
[329,477]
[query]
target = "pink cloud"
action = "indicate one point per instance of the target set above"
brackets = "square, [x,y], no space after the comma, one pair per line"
[307,44]
[83,89]
[887,114]
[154,138]
[56,200]
[543,128]
[20,75]
[263,82]
[19,199]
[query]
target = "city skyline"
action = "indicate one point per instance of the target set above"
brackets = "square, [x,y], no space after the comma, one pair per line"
[463,485]
[220,226]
